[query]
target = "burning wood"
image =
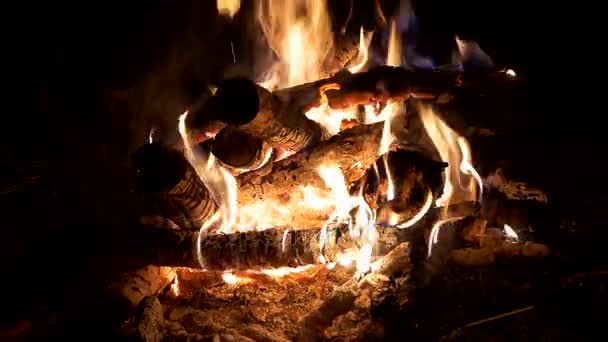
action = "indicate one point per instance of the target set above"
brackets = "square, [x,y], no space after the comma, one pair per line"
[254,110]
[252,153]
[271,248]
[170,188]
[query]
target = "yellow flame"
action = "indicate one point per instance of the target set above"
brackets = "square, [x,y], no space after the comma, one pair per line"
[360,60]
[231,279]
[361,226]
[280,272]
[394,46]
[454,150]
[220,183]
[228,7]
[300,33]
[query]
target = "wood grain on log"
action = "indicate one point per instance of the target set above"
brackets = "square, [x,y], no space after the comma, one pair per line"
[271,248]
[353,151]
[170,188]
[252,109]
[238,150]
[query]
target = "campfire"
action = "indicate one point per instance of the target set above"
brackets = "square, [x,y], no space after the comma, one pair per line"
[297,202]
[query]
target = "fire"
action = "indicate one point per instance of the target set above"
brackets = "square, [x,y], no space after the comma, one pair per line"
[175,286]
[300,33]
[361,226]
[231,279]
[365,39]
[219,181]
[454,150]
[228,7]
[509,232]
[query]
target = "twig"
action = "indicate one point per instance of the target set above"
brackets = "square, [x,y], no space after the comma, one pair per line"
[510,313]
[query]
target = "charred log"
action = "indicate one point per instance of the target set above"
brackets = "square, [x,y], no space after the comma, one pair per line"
[170,188]
[392,83]
[271,248]
[254,110]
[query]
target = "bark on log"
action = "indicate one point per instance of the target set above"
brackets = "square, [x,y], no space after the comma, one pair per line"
[170,188]
[385,83]
[254,110]
[271,248]
[353,151]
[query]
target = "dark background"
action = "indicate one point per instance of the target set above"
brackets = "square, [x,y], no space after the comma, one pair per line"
[86,82]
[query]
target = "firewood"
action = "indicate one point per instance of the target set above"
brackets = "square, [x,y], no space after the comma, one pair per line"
[252,109]
[271,248]
[384,83]
[353,151]
[170,188]
[392,83]
[131,286]
[240,151]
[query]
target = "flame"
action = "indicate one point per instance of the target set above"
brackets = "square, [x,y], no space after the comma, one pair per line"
[228,7]
[151,136]
[510,232]
[361,226]
[394,46]
[365,39]
[471,53]
[454,150]
[434,237]
[175,286]
[280,272]
[300,33]
[219,181]
[231,279]
[420,214]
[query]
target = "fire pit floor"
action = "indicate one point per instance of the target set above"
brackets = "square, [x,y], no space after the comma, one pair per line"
[257,306]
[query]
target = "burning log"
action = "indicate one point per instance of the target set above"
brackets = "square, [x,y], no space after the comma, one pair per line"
[253,110]
[271,248]
[251,153]
[170,188]
[353,151]
[392,83]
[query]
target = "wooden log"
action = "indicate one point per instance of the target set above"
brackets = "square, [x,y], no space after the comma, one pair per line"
[271,248]
[250,108]
[354,151]
[169,188]
[240,151]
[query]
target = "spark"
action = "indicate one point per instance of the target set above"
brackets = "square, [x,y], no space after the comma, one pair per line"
[510,232]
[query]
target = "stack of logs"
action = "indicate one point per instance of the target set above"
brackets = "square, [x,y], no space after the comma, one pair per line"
[249,129]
